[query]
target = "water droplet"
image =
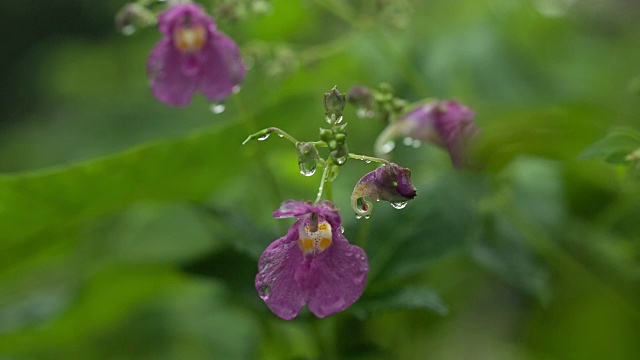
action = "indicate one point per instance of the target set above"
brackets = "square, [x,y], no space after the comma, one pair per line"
[388,147]
[416,144]
[128,30]
[217,108]
[264,137]
[341,160]
[339,120]
[236,89]
[307,169]
[280,135]
[368,161]
[358,217]
[407,141]
[367,217]
[341,228]
[363,113]
[399,205]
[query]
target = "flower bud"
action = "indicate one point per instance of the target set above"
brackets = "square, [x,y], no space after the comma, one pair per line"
[334,103]
[340,155]
[389,183]
[132,16]
[447,124]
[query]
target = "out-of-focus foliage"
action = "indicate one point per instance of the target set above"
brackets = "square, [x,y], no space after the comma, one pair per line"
[131,230]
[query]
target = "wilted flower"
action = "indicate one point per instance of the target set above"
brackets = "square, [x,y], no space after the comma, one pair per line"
[388,182]
[193,56]
[448,124]
[312,264]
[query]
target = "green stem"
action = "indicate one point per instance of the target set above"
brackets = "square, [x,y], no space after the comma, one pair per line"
[368,158]
[323,180]
[262,134]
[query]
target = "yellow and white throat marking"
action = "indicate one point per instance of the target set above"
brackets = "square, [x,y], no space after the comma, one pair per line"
[315,242]
[189,39]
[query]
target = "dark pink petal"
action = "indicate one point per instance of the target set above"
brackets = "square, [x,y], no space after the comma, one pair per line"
[176,15]
[276,282]
[169,83]
[390,183]
[292,208]
[222,68]
[340,275]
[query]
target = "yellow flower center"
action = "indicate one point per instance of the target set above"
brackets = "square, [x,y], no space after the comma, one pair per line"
[312,242]
[189,39]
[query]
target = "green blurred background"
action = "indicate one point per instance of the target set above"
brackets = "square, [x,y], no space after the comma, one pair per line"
[131,230]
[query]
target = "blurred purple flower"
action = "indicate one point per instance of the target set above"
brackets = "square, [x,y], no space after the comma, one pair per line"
[388,182]
[448,124]
[312,264]
[192,56]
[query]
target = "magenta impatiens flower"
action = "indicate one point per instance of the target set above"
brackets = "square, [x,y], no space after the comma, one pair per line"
[448,124]
[313,264]
[390,183]
[193,56]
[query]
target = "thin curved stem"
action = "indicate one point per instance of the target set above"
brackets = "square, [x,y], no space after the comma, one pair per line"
[368,158]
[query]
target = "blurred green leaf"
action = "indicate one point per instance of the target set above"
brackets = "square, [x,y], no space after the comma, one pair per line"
[404,298]
[186,169]
[615,147]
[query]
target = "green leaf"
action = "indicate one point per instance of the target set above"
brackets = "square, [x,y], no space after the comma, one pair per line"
[406,298]
[615,147]
[32,204]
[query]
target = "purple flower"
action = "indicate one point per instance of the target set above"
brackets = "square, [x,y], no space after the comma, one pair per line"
[448,124]
[192,56]
[312,264]
[388,182]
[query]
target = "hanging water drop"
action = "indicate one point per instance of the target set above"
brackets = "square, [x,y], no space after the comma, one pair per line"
[416,144]
[307,169]
[388,147]
[399,205]
[264,137]
[339,120]
[217,108]
[341,160]
[280,135]
[367,217]
[407,141]
[236,89]
[358,216]
[368,161]
[128,30]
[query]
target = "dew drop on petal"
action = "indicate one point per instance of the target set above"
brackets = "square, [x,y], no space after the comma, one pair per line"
[217,108]
[307,169]
[236,89]
[341,228]
[399,204]
[388,147]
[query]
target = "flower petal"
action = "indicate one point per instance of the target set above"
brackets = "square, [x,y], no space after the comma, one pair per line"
[340,275]
[275,282]
[223,69]
[169,83]
[292,208]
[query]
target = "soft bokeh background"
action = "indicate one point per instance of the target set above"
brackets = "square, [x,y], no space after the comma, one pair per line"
[131,230]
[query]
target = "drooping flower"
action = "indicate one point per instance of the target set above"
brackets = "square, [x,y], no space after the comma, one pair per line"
[388,182]
[313,264]
[193,56]
[447,124]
